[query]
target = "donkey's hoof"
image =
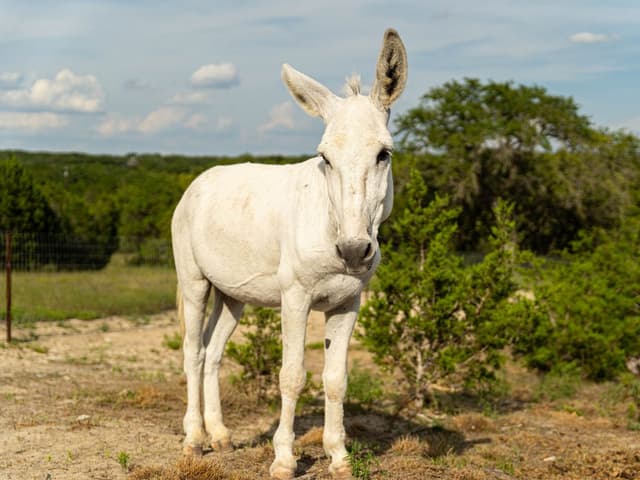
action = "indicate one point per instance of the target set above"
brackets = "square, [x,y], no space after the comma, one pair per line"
[192,450]
[341,473]
[281,473]
[222,446]
[283,470]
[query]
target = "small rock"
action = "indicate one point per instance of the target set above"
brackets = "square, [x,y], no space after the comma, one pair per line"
[82,418]
[552,458]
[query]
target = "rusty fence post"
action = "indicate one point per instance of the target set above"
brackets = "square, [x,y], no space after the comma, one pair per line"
[7,263]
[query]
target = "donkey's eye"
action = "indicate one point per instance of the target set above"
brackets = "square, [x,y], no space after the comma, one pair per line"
[383,156]
[325,160]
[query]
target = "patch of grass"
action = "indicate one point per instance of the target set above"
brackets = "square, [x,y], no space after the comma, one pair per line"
[189,468]
[153,376]
[571,409]
[407,445]
[631,388]
[315,346]
[115,290]
[557,385]
[36,347]
[362,460]
[474,423]
[506,466]
[173,342]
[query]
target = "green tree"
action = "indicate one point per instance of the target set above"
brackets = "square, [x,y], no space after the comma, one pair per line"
[23,208]
[429,315]
[479,142]
[26,219]
[146,207]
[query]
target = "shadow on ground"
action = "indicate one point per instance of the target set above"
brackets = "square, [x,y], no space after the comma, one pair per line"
[376,431]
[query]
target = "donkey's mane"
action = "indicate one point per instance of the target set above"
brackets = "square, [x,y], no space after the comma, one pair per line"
[352,87]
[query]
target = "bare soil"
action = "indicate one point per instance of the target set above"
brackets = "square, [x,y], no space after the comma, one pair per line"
[104,399]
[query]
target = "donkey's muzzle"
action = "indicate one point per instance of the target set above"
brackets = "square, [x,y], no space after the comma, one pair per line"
[356,252]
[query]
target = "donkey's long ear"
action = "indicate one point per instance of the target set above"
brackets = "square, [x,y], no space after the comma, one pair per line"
[391,71]
[313,97]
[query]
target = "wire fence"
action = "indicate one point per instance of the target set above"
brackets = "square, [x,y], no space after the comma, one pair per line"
[52,252]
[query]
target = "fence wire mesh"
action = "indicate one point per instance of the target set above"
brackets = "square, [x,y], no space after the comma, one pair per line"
[47,252]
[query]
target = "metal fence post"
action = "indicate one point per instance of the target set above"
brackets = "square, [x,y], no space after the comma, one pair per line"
[8,271]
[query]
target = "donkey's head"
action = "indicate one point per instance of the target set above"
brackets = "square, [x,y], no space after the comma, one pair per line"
[355,151]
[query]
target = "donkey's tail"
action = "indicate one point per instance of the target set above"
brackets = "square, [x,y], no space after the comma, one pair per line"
[180,307]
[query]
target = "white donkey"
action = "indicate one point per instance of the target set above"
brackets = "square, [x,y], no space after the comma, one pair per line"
[301,236]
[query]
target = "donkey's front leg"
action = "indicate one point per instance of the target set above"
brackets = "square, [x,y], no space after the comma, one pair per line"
[295,310]
[338,329]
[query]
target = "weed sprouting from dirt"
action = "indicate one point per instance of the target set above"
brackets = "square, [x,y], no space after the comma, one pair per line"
[123,459]
[173,342]
[362,460]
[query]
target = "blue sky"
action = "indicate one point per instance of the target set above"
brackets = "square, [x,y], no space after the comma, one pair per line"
[203,77]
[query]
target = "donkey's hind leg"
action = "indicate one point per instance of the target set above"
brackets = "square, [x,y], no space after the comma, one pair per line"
[224,318]
[194,295]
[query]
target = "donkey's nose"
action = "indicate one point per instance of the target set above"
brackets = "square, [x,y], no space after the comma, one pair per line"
[354,250]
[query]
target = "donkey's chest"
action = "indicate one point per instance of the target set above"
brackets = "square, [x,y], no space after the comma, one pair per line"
[333,290]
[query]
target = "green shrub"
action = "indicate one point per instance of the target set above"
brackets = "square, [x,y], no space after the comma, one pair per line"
[587,308]
[431,316]
[260,354]
[363,387]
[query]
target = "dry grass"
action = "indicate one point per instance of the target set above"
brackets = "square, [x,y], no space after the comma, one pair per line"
[312,437]
[408,445]
[473,423]
[188,468]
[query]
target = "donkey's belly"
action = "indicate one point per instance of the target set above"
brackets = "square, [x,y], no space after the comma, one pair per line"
[260,289]
[243,275]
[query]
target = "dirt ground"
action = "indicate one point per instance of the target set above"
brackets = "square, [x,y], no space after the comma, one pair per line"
[104,399]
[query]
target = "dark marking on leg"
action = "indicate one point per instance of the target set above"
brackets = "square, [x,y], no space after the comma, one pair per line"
[327,343]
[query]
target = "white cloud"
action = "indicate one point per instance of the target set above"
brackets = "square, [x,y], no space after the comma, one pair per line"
[224,124]
[31,122]
[10,79]
[280,116]
[221,75]
[189,98]
[161,119]
[201,122]
[197,121]
[155,121]
[113,125]
[588,37]
[65,92]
